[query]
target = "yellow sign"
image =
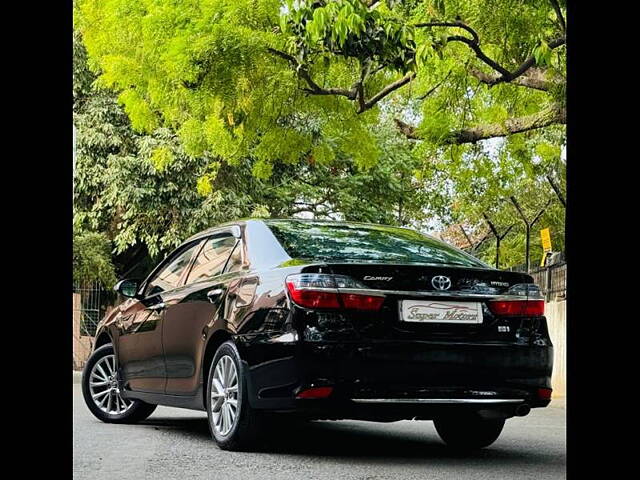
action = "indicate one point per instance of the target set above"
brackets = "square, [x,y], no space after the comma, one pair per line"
[545,235]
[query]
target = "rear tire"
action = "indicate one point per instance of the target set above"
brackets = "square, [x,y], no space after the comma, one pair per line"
[233,424]
[468,432]
[101,392]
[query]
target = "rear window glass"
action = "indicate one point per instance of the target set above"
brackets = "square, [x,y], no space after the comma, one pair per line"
[330,241]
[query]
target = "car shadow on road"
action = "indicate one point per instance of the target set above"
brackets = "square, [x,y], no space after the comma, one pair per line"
[371,441]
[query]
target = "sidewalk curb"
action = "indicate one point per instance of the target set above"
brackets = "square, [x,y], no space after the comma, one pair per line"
[77,376]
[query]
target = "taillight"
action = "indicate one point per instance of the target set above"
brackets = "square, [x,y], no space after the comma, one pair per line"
[321,290]
[510,308]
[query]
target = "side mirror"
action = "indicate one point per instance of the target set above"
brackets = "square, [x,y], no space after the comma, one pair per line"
[127,288]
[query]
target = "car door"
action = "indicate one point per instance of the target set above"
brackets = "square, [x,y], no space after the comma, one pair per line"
[140,352]
[195,308]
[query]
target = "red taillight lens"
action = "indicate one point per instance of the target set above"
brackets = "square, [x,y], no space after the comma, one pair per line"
[529,308]
[323,291]
[313,298]
[544,393]
[315,392]
[361,302]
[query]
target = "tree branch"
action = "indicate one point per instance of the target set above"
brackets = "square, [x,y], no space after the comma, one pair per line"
[535,79]
[474,44]
[355,93]
[359,86]
[556,7]
[531,61]
[371,4]
[462,25]
[554,115]
[386,91]
[407,130]
[314,88]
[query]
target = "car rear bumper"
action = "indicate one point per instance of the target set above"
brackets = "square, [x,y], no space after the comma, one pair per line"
[395,378]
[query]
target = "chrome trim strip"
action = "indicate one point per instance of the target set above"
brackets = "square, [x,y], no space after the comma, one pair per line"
[438,400]
[419,293]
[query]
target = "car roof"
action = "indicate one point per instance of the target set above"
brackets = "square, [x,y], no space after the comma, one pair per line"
[212,230]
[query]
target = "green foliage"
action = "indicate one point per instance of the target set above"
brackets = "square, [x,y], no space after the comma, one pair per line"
[217,71]
[147,194]
[485,182]
[92,259]
[350,29]
[231,108]
[141,191]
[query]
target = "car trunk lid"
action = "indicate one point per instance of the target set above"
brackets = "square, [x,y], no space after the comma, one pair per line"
[429,287]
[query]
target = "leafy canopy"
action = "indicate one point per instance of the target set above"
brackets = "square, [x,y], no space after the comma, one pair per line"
[144,194]
[92,259]
[374,110]
[277,81]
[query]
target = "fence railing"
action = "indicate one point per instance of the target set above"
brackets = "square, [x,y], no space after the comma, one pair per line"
[90,304]
[552,280]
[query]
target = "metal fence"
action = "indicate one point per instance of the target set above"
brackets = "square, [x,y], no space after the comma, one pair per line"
[90,304]
[93,305]
[552,280]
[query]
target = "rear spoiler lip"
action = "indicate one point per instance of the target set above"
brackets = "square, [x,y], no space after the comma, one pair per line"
[312,261]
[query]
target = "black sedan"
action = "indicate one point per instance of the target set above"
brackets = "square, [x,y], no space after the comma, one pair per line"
[256,320]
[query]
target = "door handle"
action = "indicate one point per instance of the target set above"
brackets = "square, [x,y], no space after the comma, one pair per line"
[157,307]
[213,294]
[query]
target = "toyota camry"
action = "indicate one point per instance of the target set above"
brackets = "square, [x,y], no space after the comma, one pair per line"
[307,319]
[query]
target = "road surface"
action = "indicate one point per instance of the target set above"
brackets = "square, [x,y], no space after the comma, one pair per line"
[175,444]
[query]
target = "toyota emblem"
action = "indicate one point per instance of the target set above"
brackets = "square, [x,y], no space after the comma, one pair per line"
[441,282]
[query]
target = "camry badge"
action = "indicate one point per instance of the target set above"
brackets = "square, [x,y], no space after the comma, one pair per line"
[382,279]
[441,282]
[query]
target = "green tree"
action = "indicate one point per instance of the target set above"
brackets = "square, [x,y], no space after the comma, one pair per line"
[146,194]
[277,81]
[141,191]
[485,184]
[92,259]
[289,108]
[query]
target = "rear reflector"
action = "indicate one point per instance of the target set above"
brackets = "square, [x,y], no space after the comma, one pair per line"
[361,302]
[529,308]
[544,393]
[315,392]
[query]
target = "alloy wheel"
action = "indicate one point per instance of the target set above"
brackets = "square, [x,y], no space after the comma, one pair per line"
[224,395]
[103,385]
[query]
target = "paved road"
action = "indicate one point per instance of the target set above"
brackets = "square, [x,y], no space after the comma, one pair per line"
[175,444]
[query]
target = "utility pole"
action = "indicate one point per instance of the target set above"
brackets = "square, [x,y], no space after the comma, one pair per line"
[528,226]
[496,234]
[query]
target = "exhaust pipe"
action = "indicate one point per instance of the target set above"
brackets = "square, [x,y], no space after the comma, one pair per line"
[522,410]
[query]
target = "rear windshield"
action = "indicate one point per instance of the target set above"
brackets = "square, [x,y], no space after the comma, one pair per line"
[330,241]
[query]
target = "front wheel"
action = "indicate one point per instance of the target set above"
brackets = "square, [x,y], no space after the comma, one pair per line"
[101,391]
[468,432]
[234,425]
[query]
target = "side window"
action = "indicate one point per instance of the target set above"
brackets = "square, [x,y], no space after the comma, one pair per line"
[211,260]
[169,276]
[235,261]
